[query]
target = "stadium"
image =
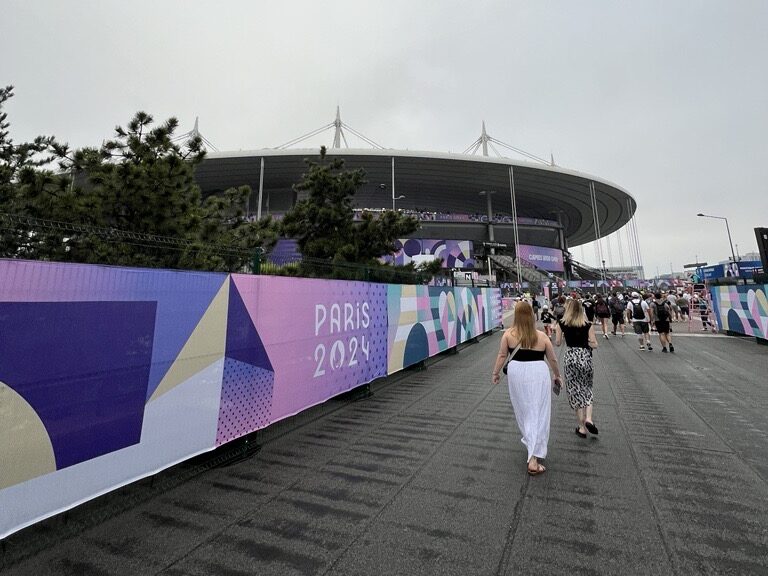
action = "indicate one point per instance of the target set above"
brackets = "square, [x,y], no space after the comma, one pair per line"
[493,207]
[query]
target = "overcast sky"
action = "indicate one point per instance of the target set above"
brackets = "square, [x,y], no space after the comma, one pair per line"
[669,100]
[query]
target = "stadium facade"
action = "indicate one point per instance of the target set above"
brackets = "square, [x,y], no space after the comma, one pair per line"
[499,205]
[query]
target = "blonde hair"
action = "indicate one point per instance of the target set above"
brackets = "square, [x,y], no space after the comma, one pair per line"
[524,325]
[574,314]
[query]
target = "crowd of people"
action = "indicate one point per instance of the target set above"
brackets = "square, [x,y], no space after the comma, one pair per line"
[527,358]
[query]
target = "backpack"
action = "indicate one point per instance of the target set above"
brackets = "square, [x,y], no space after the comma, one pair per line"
[559,311]
[662,313]
[602,308]
[618,306]
[637,311]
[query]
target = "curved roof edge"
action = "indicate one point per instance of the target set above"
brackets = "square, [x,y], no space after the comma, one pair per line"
[415,154]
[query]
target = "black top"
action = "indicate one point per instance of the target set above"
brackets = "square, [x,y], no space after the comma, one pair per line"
[527,355]
[576,336]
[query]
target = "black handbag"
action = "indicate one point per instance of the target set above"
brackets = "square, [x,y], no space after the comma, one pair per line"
[504,368]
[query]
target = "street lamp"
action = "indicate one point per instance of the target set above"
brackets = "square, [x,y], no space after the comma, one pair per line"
[395,198]
[491,237]
[384,187]
[605,278]
[728,229]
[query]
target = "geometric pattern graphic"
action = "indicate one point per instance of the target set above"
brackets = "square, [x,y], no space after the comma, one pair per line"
[422,322]
[25,447]
[181,297]
[454,253]
[742,309]
[85,379]
[246,389]
[469,318]
[204,346]
[320,337]
[110,374]
[494,308]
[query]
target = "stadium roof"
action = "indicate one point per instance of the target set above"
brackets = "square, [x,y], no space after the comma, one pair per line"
[433,181]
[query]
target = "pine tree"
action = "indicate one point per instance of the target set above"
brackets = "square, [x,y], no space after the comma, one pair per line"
[323,223]
[27,188]
[142,182]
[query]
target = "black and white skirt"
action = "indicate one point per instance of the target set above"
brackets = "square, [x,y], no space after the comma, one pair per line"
[578,370]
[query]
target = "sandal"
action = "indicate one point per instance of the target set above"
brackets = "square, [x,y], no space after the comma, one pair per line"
[539,470]
[580,434]
[591,427]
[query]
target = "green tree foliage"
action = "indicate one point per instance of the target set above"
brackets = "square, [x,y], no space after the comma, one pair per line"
[24,186]
[133,202]
[323,225]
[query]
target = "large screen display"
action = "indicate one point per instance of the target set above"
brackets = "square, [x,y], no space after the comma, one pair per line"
[550,259]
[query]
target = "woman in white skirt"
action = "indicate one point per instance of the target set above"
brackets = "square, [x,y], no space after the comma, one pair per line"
[528,378]
[579,335]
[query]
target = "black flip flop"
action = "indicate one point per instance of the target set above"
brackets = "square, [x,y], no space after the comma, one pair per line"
[591,427]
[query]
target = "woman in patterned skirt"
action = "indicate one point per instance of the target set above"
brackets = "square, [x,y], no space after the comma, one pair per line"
[528,378]
[577,363]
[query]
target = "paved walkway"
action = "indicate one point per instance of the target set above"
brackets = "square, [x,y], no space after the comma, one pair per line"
[427,476]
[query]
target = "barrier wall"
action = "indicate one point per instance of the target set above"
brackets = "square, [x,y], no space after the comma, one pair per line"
[741,309]
[108,375]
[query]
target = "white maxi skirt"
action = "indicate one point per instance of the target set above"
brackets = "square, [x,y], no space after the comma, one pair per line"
[529,391]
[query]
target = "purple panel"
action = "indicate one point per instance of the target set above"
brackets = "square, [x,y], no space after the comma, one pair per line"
[321,337]
[177,315]
[286,250]
[545,258]
[83,367]
[243,341]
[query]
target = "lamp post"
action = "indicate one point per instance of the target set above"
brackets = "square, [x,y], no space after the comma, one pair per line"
[491,237]
[728,229]
[393,185]
[605,278]
[384,187]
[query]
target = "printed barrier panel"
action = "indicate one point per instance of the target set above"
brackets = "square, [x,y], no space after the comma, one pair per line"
[742,309]
[294,343]
[108,374]
[425,320]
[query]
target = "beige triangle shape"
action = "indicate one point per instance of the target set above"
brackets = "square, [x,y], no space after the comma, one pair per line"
[26,451]
[206,344]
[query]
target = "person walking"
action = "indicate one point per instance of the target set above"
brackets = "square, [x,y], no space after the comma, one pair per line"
[662,314]
[673,308]
[558,308]
[703,306]
[546,320]
[618,306]
[638,314]
[580,339]
[603,312]
[535,304]
[682,305]
[589,308]
[528,379]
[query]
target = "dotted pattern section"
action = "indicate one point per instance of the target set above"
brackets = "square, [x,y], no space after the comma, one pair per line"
[246,400]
